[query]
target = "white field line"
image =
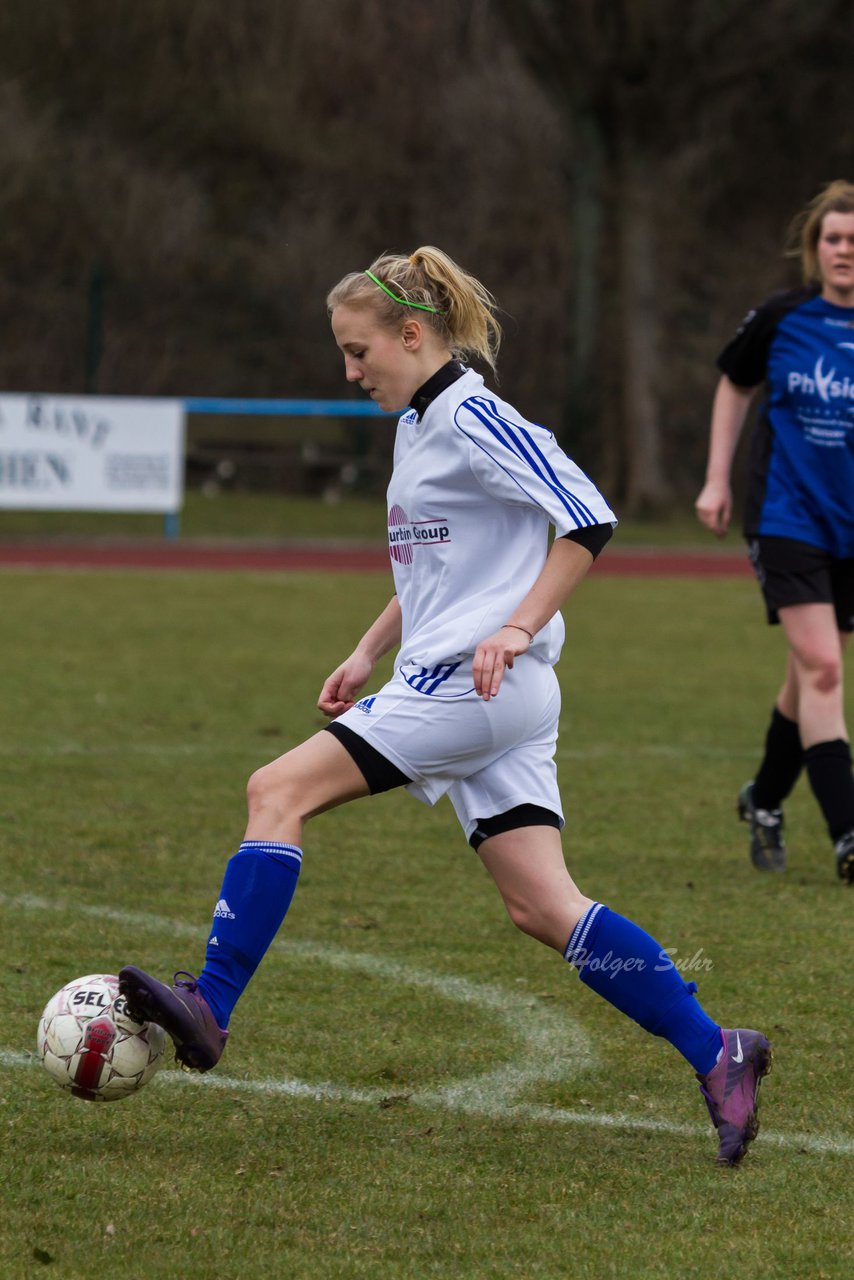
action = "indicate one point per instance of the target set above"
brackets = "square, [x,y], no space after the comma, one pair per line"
[552,1047]
[203,750]
[817,1143]
[651,751]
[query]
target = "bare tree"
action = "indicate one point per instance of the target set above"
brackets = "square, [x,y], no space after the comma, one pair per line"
[609,167]
[631,79]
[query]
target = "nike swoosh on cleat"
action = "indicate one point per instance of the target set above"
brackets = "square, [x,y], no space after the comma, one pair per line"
[738,1057]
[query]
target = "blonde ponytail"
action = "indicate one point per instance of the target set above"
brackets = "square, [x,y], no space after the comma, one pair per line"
[452,302]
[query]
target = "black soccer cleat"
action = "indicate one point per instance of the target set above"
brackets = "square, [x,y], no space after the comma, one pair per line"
[767,846]
[844,850]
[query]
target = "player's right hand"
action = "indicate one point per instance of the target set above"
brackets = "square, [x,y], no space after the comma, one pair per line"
[495,655]
[341,689]
[714,507]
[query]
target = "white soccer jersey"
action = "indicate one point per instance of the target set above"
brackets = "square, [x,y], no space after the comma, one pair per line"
[474,490]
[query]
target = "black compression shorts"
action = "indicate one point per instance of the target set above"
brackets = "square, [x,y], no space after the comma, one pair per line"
[792,572]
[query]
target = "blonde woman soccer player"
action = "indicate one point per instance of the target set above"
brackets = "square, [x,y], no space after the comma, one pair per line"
[472,709]
[799,518]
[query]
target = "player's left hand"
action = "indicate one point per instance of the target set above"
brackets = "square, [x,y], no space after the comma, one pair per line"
[492,658]
[342,688]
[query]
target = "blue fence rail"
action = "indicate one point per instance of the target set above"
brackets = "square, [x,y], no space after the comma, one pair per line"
[287,408]
[272,408]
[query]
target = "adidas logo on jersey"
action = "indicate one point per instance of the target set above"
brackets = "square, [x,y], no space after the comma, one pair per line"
[366,704]
[224,911]
[214,941]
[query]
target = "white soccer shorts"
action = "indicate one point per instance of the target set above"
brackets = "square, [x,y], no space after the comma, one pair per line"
[488,757]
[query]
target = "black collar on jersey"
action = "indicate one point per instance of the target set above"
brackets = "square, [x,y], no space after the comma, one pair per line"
[441,379]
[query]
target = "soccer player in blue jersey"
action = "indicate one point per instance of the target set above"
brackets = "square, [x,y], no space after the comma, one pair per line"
[472,709]
[799,517]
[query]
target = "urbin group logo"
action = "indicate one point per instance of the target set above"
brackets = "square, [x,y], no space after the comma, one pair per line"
[404,535]
[399,536]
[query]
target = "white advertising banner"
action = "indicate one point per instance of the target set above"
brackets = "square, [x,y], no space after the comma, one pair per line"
[91,453]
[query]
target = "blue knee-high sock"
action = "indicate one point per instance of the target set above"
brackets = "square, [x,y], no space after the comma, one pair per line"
[628,968]
[257,890]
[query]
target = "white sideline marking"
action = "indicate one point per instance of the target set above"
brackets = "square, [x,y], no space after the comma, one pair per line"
[545,1034]
[214,751]
[820,1144]
[553,1046]
[650,750]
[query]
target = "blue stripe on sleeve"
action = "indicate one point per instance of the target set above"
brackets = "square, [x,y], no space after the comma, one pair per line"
[490,406]
[543,460]
[485,412]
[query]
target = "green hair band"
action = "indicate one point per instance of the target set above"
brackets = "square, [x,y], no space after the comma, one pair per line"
[404,302]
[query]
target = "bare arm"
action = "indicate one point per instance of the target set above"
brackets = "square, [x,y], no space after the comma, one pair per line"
[566,565]
[340,690]
[729,410]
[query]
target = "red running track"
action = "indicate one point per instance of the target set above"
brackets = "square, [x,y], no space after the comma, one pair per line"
[233,557]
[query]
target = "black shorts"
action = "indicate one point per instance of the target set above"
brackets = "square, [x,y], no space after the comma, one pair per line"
[792,572]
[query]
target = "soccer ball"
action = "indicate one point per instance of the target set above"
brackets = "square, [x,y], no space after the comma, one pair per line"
[90,1045]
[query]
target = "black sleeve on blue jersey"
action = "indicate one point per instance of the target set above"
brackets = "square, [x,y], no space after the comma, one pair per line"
[744,360]
[593,537]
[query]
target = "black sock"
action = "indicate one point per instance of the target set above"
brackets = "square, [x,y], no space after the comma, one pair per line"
[781,765]
[829,769]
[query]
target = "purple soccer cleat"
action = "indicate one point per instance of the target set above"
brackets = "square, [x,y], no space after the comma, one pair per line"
[181,1010]
[731,1091]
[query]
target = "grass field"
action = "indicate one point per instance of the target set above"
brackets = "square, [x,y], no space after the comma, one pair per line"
[276,516]
[412,1088]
